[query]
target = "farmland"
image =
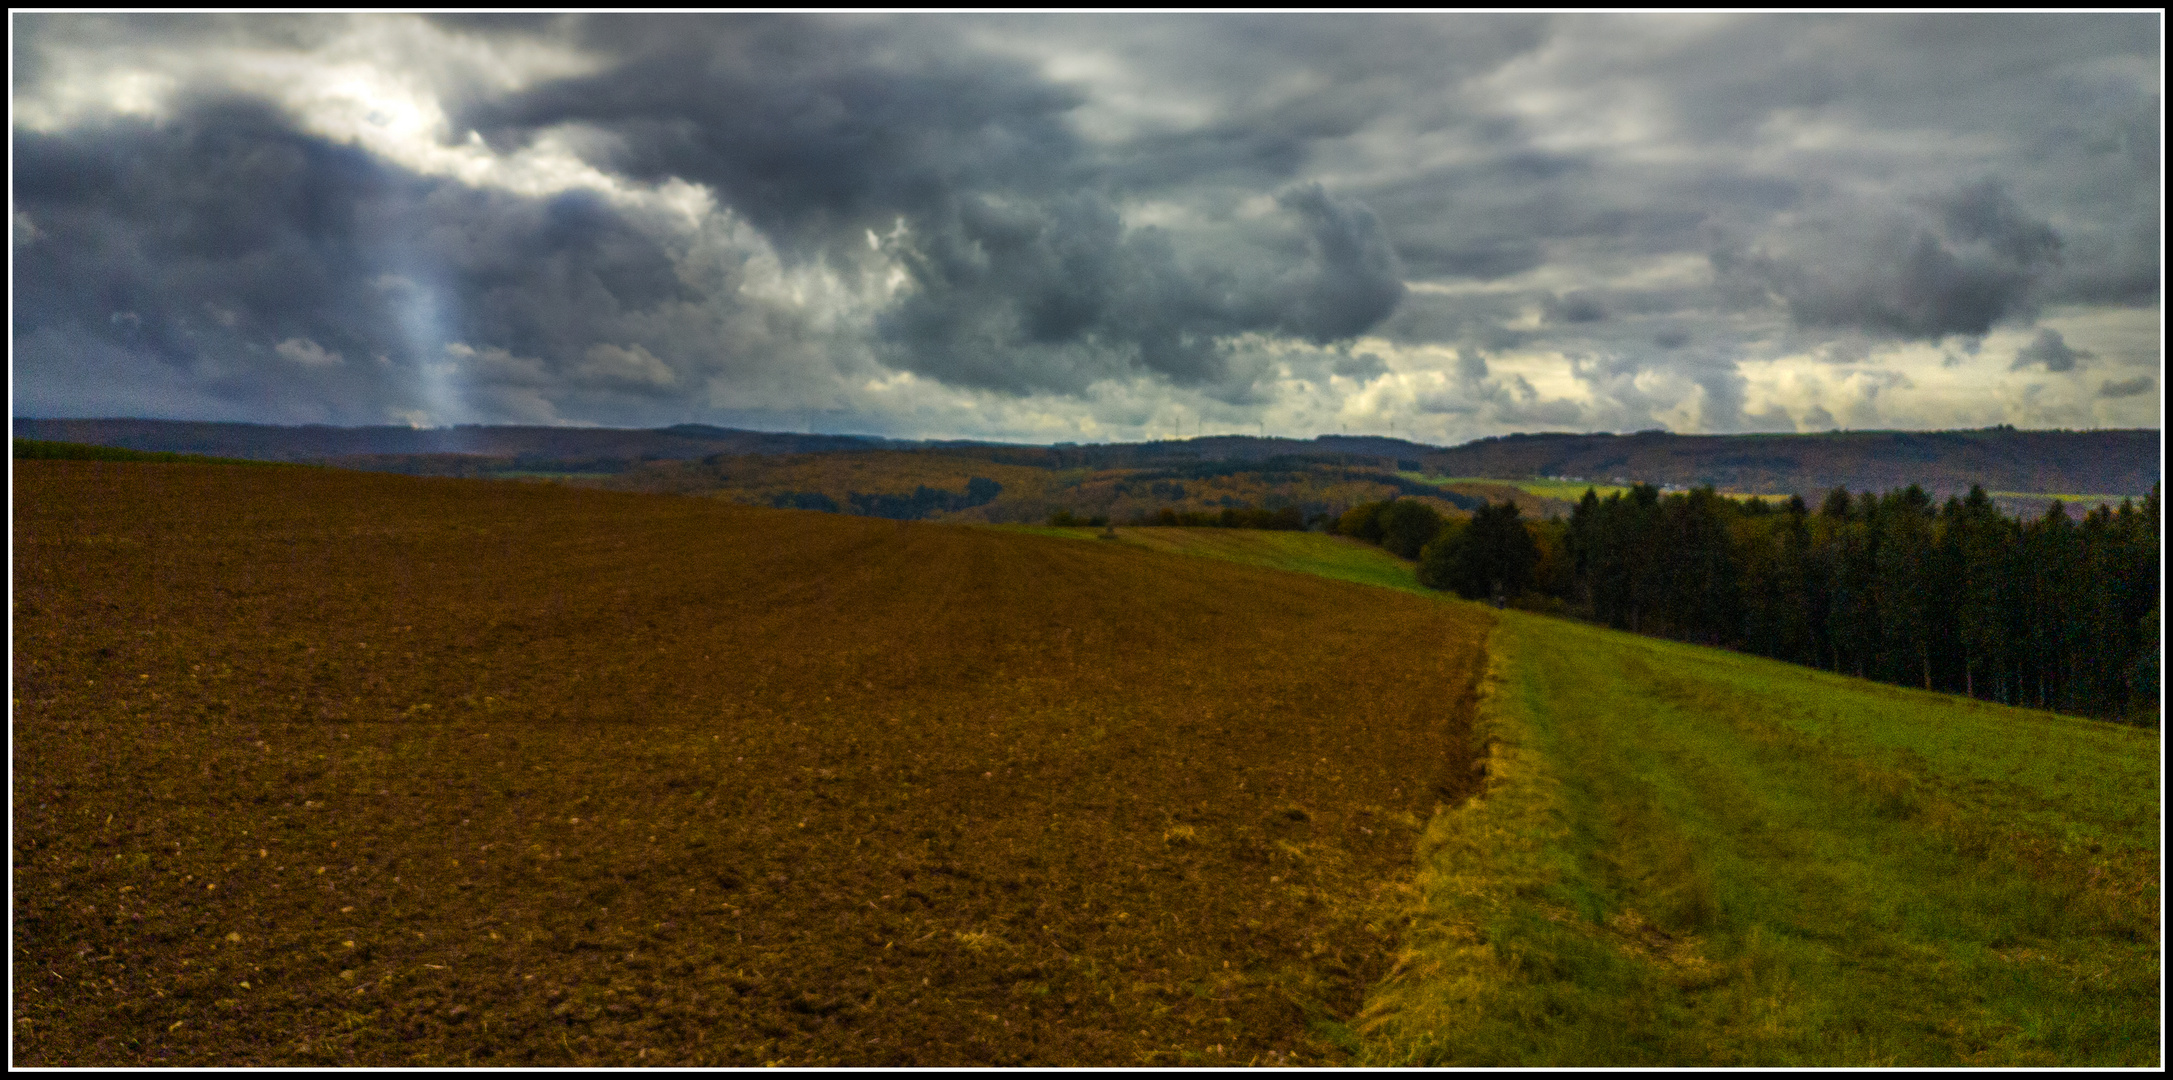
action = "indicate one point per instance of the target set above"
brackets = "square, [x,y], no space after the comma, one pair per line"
[678,458]
[327,768]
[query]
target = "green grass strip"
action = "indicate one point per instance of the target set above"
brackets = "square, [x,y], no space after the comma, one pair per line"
[2092,500]
[1565,490]
[1334,557]
[1688,857]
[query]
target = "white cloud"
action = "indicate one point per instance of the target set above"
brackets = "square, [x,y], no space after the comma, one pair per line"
[308,353]
[629,365]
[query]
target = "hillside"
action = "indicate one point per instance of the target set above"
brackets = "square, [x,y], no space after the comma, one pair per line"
[2111,463]
[953,485]
[1686,857]
[1683,856]
[2025,468]
[437,451]
[321,768]
[375,770]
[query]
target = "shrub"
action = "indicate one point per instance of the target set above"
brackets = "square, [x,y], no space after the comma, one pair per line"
[1407,526]
[1363,521]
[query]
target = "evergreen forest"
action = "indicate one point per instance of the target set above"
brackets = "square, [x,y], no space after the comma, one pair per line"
[2049,613]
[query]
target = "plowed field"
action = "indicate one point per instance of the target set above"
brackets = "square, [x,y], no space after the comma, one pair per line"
[324,768]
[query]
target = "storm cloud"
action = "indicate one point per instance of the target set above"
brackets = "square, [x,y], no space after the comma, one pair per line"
[1963,262]
[2051,351]
[2141,384]
[311,281]
[1082,226]
[1024,276]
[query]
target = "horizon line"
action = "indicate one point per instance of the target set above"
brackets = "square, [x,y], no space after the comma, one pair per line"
[667,428]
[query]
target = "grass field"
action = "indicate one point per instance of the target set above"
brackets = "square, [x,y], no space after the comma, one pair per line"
[2048,496]
[1564,490]
[1338,558]
[1687,857]
[319,768]
[1567,491]
[1535,499]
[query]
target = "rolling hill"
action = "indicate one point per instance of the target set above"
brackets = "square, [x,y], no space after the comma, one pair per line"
[316,767]
[2110,462]
[2027,468]
[1683,856]
[1687,857]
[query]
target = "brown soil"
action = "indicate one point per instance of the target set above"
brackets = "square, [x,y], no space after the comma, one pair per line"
[325,768]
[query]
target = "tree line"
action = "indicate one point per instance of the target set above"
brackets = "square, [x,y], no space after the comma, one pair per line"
[1288,518]
[2049,612]
[980,491]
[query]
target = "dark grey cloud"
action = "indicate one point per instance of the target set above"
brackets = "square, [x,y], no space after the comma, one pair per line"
[1575,308]
[1017,295]
[279,271]
[1840,243]
[1481,320]
[2050,350]
[1282,90]
[814,129]
[1125,212]
[1025,277]
[2105,144]
[1967,261]
[2141,384]
[38,34]
[1352,278]
[162,240]
[1982,213]
[1482,258]
[1359,366]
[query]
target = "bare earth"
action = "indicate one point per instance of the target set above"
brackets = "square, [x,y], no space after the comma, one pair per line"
[325,768]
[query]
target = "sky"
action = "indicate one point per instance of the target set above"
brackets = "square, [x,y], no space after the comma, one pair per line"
[1092,228]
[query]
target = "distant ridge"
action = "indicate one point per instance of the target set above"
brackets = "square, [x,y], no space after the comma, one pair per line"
[318,442]
[2109,462]
[2002,459]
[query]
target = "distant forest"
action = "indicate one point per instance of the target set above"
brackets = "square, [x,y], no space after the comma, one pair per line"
[2004,460]
[2048,612]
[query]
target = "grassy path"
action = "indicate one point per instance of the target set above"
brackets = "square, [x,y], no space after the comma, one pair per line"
[1688,857]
